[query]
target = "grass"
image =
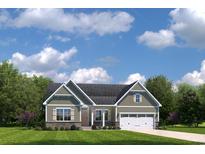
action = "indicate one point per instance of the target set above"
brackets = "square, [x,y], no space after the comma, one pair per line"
[22,136]
[184,128]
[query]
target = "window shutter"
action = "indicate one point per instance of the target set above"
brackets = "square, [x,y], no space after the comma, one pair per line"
[54,114]
[140,98]
[72,114]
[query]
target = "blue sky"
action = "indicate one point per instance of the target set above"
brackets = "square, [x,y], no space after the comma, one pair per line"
[105,45]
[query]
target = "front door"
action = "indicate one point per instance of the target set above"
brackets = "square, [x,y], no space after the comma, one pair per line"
[85,117]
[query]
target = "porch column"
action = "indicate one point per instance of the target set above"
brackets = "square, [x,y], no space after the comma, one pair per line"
[91,116]
[103,122]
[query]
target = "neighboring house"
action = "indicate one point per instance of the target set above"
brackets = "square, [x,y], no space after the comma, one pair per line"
[126,106]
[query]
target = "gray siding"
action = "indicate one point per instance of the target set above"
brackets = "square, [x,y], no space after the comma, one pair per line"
[137,87]
[136,109]
[62,90]
[68,100]
[129,100]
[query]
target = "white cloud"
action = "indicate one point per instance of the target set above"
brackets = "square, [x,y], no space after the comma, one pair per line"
[157,40]
[91,75]
[189,25]
[57,20]
[196,77]
[52,63]
[46,60]
[54,75]
[135,77]
[58,38]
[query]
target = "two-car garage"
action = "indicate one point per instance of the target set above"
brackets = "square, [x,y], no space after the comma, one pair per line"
[137,121]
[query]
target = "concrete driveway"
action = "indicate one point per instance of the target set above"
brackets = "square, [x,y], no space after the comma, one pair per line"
[174,134]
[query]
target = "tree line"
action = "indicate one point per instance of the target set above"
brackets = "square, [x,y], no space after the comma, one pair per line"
[21,99]
[186,105]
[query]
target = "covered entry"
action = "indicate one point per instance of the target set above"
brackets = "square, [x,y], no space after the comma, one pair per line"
[137,120]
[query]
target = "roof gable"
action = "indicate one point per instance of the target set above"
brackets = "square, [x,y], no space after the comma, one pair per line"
[100,94]
[138,86]
[57,90]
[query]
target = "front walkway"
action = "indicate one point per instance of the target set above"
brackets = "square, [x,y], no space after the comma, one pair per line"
[174,134]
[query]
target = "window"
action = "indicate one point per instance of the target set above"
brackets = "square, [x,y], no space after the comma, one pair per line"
[99,114]
[124,115]
[63,114]
[106,115]
[133,115]
[138,98]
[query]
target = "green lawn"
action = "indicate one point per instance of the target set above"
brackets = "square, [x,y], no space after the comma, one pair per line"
[184,128]
[24,136]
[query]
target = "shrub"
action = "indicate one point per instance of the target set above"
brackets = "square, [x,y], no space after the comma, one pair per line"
[49,128]
[66,128]
[109,127]
[56,128]
[99,127]
[73,127]
[113,127]
[104,127]
[94,127]
[118,128]
[62,128]
[78,128]
[27,119]
[38,128]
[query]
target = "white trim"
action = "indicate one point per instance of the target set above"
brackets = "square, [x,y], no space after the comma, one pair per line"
[62,105]
[103,118]
[137,113]
[104,105]
[63,85]
[81,102]
[80,114]
[126,93]
[139,106]
[63,95]
[151,95]
[140,97]
[158,115]
[45,102]
[82,91]
[137,91]
[63,108]
[144,89]
[92,117]
[116,114]
[46,117]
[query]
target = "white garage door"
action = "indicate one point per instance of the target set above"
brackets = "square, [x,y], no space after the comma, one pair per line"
[136,121]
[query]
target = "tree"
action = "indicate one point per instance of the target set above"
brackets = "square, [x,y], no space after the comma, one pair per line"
[201,93]
[161,88]
[9,76]
[20,94]
[190,108]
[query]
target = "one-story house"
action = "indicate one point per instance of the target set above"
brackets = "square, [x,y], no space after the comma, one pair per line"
[128,106]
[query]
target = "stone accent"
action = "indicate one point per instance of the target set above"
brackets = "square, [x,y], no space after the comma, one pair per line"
[62,124]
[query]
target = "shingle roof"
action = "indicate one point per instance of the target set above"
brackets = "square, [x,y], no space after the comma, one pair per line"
[101,94]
